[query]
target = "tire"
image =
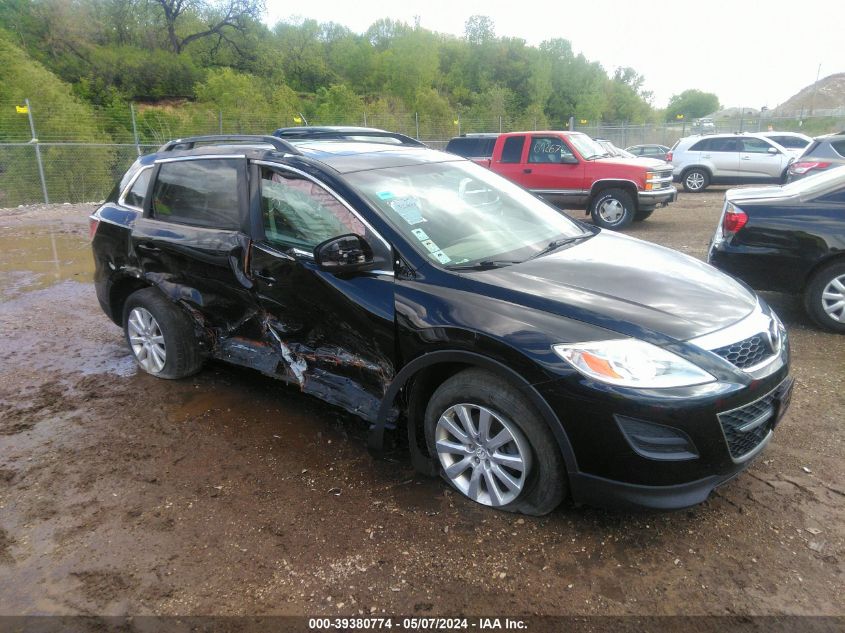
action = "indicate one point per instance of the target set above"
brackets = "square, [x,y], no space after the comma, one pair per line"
[613,209]
[541,484]
[154,327]
[643,214]
[824,297]
[696,180]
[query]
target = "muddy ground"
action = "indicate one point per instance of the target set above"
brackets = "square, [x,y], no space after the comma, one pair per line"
[230,493]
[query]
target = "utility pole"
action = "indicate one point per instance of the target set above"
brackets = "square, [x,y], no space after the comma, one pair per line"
[37,152]
[815,90]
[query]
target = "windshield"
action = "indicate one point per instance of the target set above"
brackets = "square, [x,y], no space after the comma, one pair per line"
[458,213]
[586,146]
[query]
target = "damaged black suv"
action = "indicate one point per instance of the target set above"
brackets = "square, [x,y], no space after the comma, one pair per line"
[529,356]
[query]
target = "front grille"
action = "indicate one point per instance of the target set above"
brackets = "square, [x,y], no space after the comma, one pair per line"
[752,351]
[747,426]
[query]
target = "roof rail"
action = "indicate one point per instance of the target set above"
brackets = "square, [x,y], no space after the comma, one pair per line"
[222,139]
[315,134]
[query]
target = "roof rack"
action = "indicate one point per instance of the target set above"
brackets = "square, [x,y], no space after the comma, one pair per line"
[223,139]
[340,133]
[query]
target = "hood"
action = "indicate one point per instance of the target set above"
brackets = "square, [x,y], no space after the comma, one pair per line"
[627,285]
[638,161]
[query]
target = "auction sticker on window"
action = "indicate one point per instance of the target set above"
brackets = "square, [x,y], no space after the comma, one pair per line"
[408,208]
[442,257]
[420,234]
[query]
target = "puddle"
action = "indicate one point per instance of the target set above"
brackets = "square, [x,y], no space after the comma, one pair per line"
[35,261]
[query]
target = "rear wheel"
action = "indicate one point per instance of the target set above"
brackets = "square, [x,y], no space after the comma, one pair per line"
[612,209]
[824,298]
[696,180]
[160,335]
[492,446]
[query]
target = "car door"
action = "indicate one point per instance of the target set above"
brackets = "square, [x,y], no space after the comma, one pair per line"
[547,174]
[723,155]
[758,163]
[334,332]
[191,240]
[510,162]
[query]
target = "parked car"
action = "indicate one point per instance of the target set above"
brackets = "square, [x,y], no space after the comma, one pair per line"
[789,239]
[612,150]
[825,152]
[530,357]
[728,159]
[794,142]
[345,133]
[573,171]
[472,145]
[704,125]
[649,151]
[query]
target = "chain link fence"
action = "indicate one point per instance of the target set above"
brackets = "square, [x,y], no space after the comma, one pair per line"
[47,154]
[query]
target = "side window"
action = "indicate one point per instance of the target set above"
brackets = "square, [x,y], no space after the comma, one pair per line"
[701,146]
[837,197]
[512,150]
[135,196]
[202,192]
[839,147]
[792,142]
[547,149]
[299,213]
[755,145]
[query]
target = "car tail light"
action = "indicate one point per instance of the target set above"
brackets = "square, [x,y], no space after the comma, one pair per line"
[668,158]
[803,166]
[93,224]
[733,220]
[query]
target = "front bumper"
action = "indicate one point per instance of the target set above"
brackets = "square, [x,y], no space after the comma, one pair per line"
[612,472]
[652,199]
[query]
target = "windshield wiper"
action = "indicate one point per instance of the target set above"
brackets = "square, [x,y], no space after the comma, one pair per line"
[556,244]
[487,264]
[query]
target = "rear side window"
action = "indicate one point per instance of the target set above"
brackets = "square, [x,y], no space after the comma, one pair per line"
[470,147]
[512,151]
[716,145]
[199,192]
[135,196]
[839,147]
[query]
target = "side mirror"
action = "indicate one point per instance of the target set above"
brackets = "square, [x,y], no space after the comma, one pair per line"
[773,151]
[568,159]
[344,254]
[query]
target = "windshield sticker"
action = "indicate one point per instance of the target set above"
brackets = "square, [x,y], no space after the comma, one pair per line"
[419,234]
[442,257]
[385,195]
[409,208]
[431,246]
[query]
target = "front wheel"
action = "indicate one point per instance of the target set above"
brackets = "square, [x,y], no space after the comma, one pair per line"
[492,446]
[696,180]
[824,298]
[612,209]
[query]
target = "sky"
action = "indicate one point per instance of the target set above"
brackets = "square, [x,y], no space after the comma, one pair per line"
[750,53]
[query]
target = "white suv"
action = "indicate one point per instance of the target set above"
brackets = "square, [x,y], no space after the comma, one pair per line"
[728,159]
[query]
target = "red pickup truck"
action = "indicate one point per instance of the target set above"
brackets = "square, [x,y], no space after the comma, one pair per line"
[574,172]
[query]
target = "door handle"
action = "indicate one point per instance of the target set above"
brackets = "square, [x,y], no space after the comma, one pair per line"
[144,246]
[265,277]
[527,171]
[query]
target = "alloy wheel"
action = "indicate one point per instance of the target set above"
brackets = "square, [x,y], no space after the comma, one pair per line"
[695,180]
[483,454]
[611,211]
[833,299]
[146,340]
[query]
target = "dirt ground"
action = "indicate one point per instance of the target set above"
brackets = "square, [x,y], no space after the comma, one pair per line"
[230,493]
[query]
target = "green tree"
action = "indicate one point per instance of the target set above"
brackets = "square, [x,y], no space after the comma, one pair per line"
[339,105]
[692,104]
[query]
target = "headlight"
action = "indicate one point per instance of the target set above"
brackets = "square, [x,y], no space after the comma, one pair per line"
[632,363]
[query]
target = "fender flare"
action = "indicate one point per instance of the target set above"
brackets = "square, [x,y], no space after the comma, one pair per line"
[375,438]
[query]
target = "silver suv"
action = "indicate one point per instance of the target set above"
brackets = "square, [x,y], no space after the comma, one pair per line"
[728,159]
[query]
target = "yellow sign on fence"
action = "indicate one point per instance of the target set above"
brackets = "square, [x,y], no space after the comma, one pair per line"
[297,119]
[22,109]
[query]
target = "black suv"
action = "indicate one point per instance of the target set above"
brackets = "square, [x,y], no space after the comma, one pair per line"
[529,356]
